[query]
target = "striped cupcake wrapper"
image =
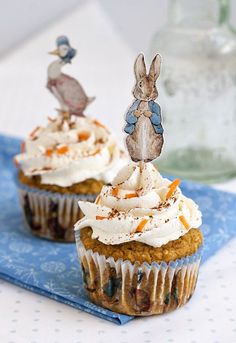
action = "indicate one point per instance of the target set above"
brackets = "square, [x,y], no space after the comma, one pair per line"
[138,290]
[51,215]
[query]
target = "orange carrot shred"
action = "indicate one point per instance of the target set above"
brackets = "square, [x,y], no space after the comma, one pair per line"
[115,191]
[83,136]
[97,199]
[172,187]
[141,225]
[51,119]
[131,195]
[95,152]
[48,152]
[96,122]
[100,217]
[175,183]
[22,147]
[32,134]
[184,222]
[62,150]
[16,162]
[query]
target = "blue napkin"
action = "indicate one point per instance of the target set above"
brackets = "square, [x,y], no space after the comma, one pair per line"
[53,269]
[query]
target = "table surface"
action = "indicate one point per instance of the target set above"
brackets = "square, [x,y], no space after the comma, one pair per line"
[26,317]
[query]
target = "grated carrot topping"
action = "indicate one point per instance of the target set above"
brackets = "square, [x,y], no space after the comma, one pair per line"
[16,162]
[131,195]
[184,222]
[95,152]
[96,122]
[100,217]
[175,183]
[22,147]
[172,187]
[62,150]
[51,119]
[48,152]
[141,225]
[32,134]
[97,199]
[83,136]
[115,191]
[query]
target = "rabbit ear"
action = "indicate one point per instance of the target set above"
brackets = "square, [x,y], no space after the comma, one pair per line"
[140,67]
[155,67]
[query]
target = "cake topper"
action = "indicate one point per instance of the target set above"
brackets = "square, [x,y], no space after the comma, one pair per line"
[67,90]
[145,133]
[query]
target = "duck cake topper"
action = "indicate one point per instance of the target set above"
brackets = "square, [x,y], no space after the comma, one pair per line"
[67,90]
[143,119]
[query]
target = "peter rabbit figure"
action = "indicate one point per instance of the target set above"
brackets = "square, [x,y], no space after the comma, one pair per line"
[145,133]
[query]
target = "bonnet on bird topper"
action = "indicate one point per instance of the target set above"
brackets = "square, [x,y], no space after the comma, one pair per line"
[143,119]
[67,90]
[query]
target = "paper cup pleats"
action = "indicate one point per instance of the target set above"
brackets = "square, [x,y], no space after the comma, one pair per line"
[51,215]
[139,290]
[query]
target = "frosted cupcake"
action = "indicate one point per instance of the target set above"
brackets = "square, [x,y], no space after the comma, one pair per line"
[140,243]
[68,160]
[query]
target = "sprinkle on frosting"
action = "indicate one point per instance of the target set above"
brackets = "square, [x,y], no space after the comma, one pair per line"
[83,136]
[172,188]
[51,119]
[136,207]
[184,222]
[49,152]
[61,150]
[34,132]
[95,152]
[100,218]
[141,225]
[131,195]
[98,123]
[22,147]
[115,192]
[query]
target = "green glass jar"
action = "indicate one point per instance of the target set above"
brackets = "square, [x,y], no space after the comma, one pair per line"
[197,90]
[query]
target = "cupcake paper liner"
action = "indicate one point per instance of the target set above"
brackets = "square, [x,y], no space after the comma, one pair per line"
[138,290]
[51,215]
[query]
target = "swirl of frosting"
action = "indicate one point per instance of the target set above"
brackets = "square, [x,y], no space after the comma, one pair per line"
[71,151]
[141,206]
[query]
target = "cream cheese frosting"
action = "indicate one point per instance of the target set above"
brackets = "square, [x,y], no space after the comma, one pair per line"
[142,206]
[70,151]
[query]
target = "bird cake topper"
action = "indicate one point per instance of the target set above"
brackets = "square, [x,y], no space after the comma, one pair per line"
[67,90]
[143,119]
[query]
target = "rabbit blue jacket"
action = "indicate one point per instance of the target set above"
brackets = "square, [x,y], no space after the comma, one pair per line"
[155,118]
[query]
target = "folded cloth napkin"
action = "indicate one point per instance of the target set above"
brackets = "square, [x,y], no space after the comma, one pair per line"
[53,270]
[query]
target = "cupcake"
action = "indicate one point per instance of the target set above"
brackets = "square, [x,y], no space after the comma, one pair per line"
[140,242]
[68,160]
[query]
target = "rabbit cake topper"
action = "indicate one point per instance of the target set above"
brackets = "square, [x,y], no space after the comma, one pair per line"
[67,90]
[143,119]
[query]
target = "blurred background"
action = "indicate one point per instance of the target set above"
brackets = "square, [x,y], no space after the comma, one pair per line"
[197,87]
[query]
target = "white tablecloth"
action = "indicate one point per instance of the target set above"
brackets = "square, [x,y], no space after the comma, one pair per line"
[210,316]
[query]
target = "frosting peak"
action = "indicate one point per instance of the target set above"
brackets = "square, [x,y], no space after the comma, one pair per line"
[140,205]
